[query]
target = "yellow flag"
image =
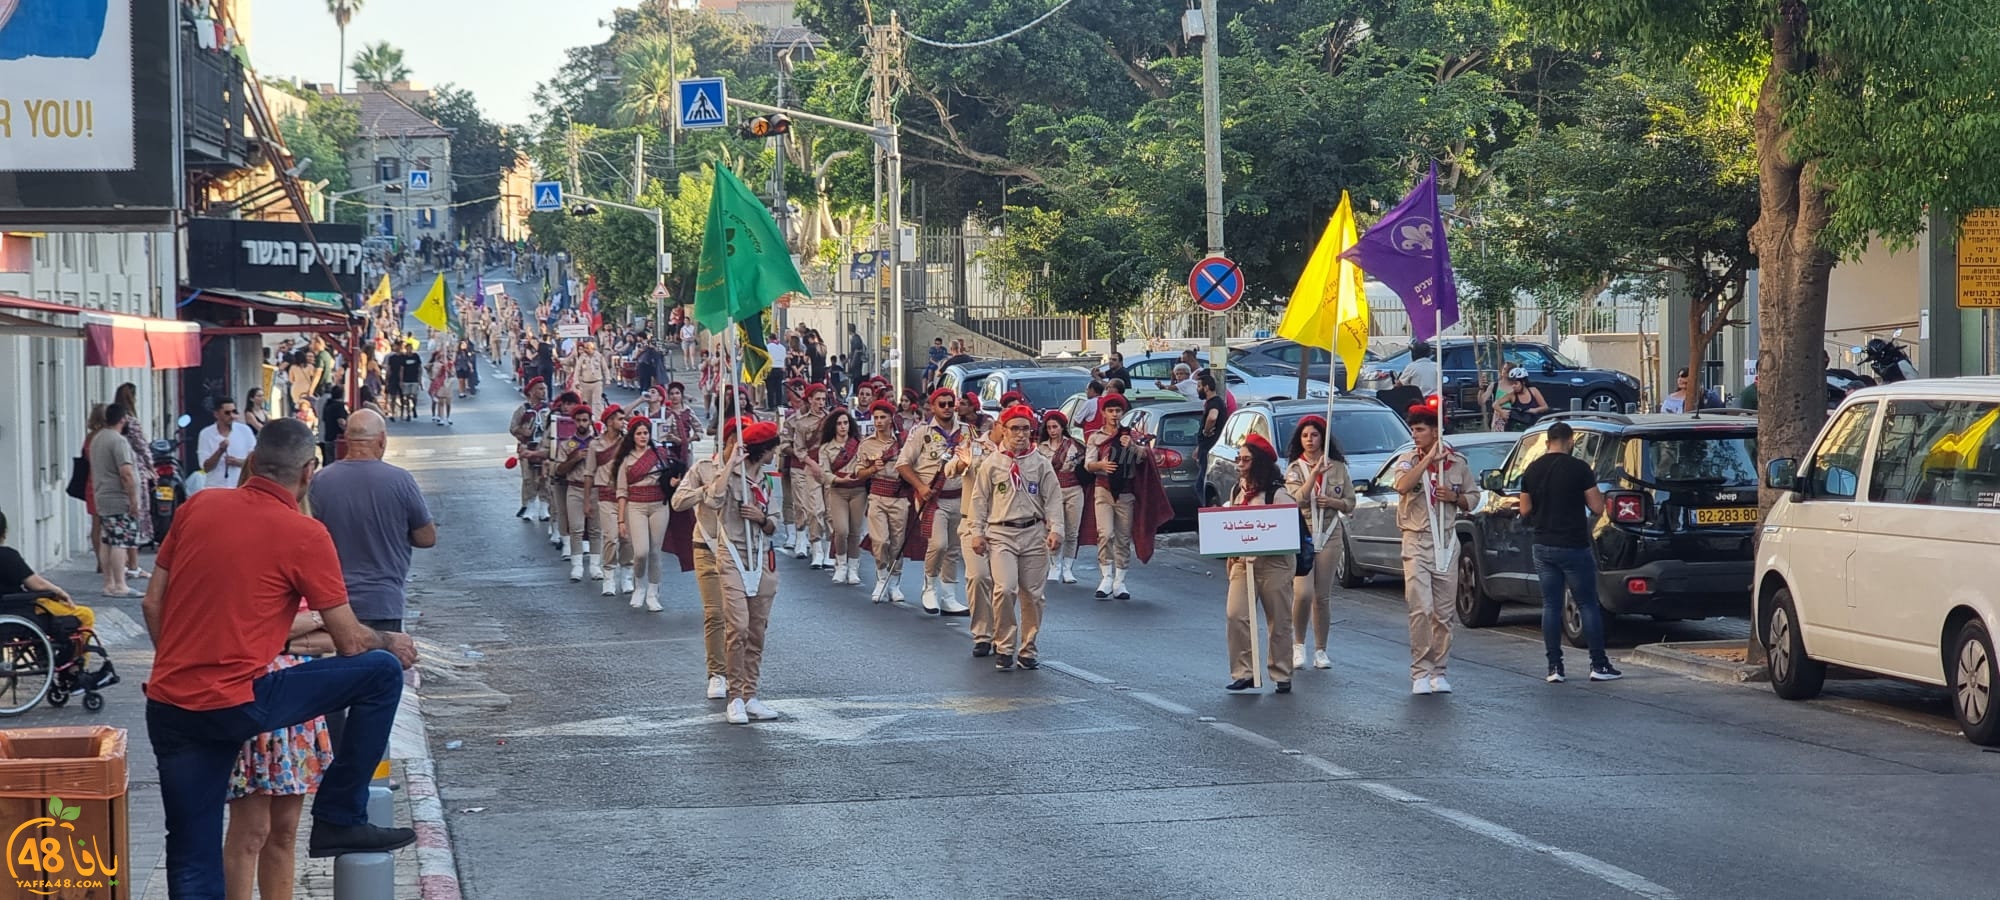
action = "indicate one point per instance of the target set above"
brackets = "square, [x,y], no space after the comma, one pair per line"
[432,311]
[1329,309]
[381,293]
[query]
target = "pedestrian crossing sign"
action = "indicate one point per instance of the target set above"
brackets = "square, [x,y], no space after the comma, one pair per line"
[548,196]
[420,180]
[703,103]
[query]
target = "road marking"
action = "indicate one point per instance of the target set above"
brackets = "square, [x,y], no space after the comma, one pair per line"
[1075,672]
[1246,735]
[821,720]
[1327,767]
[1159,702]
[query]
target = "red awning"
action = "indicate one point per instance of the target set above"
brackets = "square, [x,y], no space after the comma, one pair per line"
[112,339]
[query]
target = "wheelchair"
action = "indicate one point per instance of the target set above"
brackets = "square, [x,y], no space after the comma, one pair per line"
[48,657]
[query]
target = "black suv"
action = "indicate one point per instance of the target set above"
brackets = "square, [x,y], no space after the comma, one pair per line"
[1678,535]
[1464,360]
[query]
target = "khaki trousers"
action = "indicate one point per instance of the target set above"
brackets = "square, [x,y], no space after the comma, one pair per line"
[1430,596]
[708,583]
[531,483]
[1019,558]
[1114,529]
[1267,582]
[1072,519]
[812,504]
[979,576]
[847,514]
[592,393]
[646,525]
[580,514]
[617,551]
[1312,598]
[942,557]
[559,504]
[792,480]
[745,616]
[887,519]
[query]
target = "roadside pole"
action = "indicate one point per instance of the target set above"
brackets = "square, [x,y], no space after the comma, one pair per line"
[1211,132]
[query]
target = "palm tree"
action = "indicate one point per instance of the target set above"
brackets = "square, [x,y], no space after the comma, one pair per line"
[343,12]
[648,73]
[378,64]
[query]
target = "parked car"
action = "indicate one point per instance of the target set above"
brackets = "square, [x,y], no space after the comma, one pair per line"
[1149,368]
[970,376]
[1175,427]
[1320,364]
[1369,541]
[1137,397]
[1366,431]
[1044,388]
[1464,360]
[1678,533]
[1875,554]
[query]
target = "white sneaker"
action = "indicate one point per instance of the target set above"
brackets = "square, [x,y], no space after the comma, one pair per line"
[1118,585]
[1104,586]
[1298,656]
[610,588]
[575,567]
[929,596]
[881,592]
[736,714]
[840,570]
[1441,686]
[1055,572]
[853,571]
[896,589]
[638,596]
[652,598]
[625,579]
[1069,571]
[758,710]
[596,566]
[1320,661]
[1420,685]
[718,687]
[948,600]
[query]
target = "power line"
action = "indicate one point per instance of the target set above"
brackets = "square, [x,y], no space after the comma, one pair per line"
[948,45]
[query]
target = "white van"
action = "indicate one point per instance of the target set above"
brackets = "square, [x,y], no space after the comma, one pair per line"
[1877,555]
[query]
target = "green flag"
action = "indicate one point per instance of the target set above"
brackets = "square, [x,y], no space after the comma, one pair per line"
[745,265]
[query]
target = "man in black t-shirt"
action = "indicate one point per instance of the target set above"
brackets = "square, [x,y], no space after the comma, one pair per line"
[1213,411]
[1556,492]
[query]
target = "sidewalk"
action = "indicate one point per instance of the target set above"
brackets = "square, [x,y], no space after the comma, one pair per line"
[424,872]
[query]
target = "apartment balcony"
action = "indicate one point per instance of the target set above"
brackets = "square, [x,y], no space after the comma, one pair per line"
[214,107]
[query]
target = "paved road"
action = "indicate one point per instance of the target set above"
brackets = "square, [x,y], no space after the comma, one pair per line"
[592,767]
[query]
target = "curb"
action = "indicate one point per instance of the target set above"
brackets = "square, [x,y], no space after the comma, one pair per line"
[437,866]
[1680,658]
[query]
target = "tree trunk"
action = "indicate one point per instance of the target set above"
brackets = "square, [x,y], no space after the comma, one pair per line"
[1793,271]
[340,71]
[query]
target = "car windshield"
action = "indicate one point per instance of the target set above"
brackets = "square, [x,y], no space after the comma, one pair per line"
[1481,457]
[1724,459]
[1049,391]
[1359,431]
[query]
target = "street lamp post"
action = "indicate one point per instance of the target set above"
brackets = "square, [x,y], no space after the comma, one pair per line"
[660,265]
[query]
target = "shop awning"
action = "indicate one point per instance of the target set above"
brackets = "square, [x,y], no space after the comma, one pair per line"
[321,314]
[111,339]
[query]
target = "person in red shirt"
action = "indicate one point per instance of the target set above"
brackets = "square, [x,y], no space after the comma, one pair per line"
[216,625]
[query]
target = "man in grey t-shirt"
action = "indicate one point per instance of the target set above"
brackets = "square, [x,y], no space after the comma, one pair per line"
[114,482]
[376,516]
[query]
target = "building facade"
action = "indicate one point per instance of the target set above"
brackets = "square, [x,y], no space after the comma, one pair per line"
[394,141]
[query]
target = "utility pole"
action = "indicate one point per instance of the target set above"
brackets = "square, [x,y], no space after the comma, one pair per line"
[673,118]
[1211,132]
[780,208]
[885,50]
[638,166]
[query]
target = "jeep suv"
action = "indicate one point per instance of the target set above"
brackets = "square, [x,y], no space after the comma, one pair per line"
[1463,361]
[1678,535]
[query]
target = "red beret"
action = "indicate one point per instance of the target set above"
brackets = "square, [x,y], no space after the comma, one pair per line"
[566,398]
[1256,443]
[1115,400]
[760,433]
[942,392]
[609,411]
[512,462]
[675,385]
[737,425]
[1018,412]
[909,394]
[580,409]
[815,388]
[1055,415]
[534,381]
[1314,419]
[1011,396]
[882,406]
[972,396]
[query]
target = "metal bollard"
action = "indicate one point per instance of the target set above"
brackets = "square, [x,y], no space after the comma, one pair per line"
[364,876]
[381,806]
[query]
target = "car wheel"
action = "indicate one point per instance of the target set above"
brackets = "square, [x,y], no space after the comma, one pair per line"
[1971,675]
[1343,563]
[1602,401]
[1572,622]
[1476,608]
[1794,675]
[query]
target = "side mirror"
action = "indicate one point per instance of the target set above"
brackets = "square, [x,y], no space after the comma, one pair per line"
[1782,474]
[1897,333]
[1493,480]
[1362,485]
[1548,367]
[184,421]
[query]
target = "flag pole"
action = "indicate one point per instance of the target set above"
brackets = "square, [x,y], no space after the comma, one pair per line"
[754,573]
[1441,555]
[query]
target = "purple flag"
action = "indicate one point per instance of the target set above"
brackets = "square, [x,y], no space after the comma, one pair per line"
[479,291]
[1406,251]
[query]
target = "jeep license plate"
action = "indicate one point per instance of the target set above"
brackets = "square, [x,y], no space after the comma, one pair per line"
[1726,515]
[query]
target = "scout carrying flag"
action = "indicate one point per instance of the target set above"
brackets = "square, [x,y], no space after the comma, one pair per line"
[437,310]
[744,268]
[1329,309]
[381,293]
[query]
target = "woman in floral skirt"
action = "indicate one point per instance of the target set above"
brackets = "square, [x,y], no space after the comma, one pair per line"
[267,793]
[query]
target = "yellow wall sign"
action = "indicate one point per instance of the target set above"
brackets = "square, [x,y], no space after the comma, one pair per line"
[1979,260]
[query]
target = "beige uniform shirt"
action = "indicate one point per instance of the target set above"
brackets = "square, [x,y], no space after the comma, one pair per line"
[999,494]
[717,501]
[802,436]
[1413,510]
[832,474]
[880,448]
[574,448]
[588,368]
[1328,480]
[604,461]
[931,450]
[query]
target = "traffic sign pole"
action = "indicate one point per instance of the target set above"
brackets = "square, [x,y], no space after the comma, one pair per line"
[1211,134]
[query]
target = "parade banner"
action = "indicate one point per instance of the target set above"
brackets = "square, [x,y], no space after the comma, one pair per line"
[1249,530]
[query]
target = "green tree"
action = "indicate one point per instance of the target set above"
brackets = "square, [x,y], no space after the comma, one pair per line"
[481,151]
[343,13]
[379,65]
[646,89]
[1870,114]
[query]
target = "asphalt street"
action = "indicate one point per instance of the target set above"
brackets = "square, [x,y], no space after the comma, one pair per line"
[577,756]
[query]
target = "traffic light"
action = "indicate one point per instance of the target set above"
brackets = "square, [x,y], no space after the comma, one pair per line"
[767,126]
[581,210]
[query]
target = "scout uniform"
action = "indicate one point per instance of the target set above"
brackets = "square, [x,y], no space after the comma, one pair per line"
[929,451]
[588,371]
[1112,501]
[978,569]
[645,481]
[1265,581]
[1312,593]
[734,547]
[560,428]
[1429,593]
[1065,456]
[888,513]
[526,426]
[808,514]
[572,461]
[1016,502]
[840,462]
[615,553]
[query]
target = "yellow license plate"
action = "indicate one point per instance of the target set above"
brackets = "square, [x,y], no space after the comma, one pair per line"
[164,493]
[1726,515]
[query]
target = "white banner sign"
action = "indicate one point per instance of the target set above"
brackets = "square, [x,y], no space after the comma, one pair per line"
[1249,530]
[573,330]
[66,86]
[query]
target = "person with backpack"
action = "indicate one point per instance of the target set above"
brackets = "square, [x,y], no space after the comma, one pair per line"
[1263,580]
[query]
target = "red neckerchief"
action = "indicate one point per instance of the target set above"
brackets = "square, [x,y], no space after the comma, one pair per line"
[846,456]
[1014,467]
[1062,452]
[650,463]
[1104,449]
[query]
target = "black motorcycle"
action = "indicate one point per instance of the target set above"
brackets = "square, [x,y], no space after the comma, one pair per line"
[169,478]
[1890,362]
